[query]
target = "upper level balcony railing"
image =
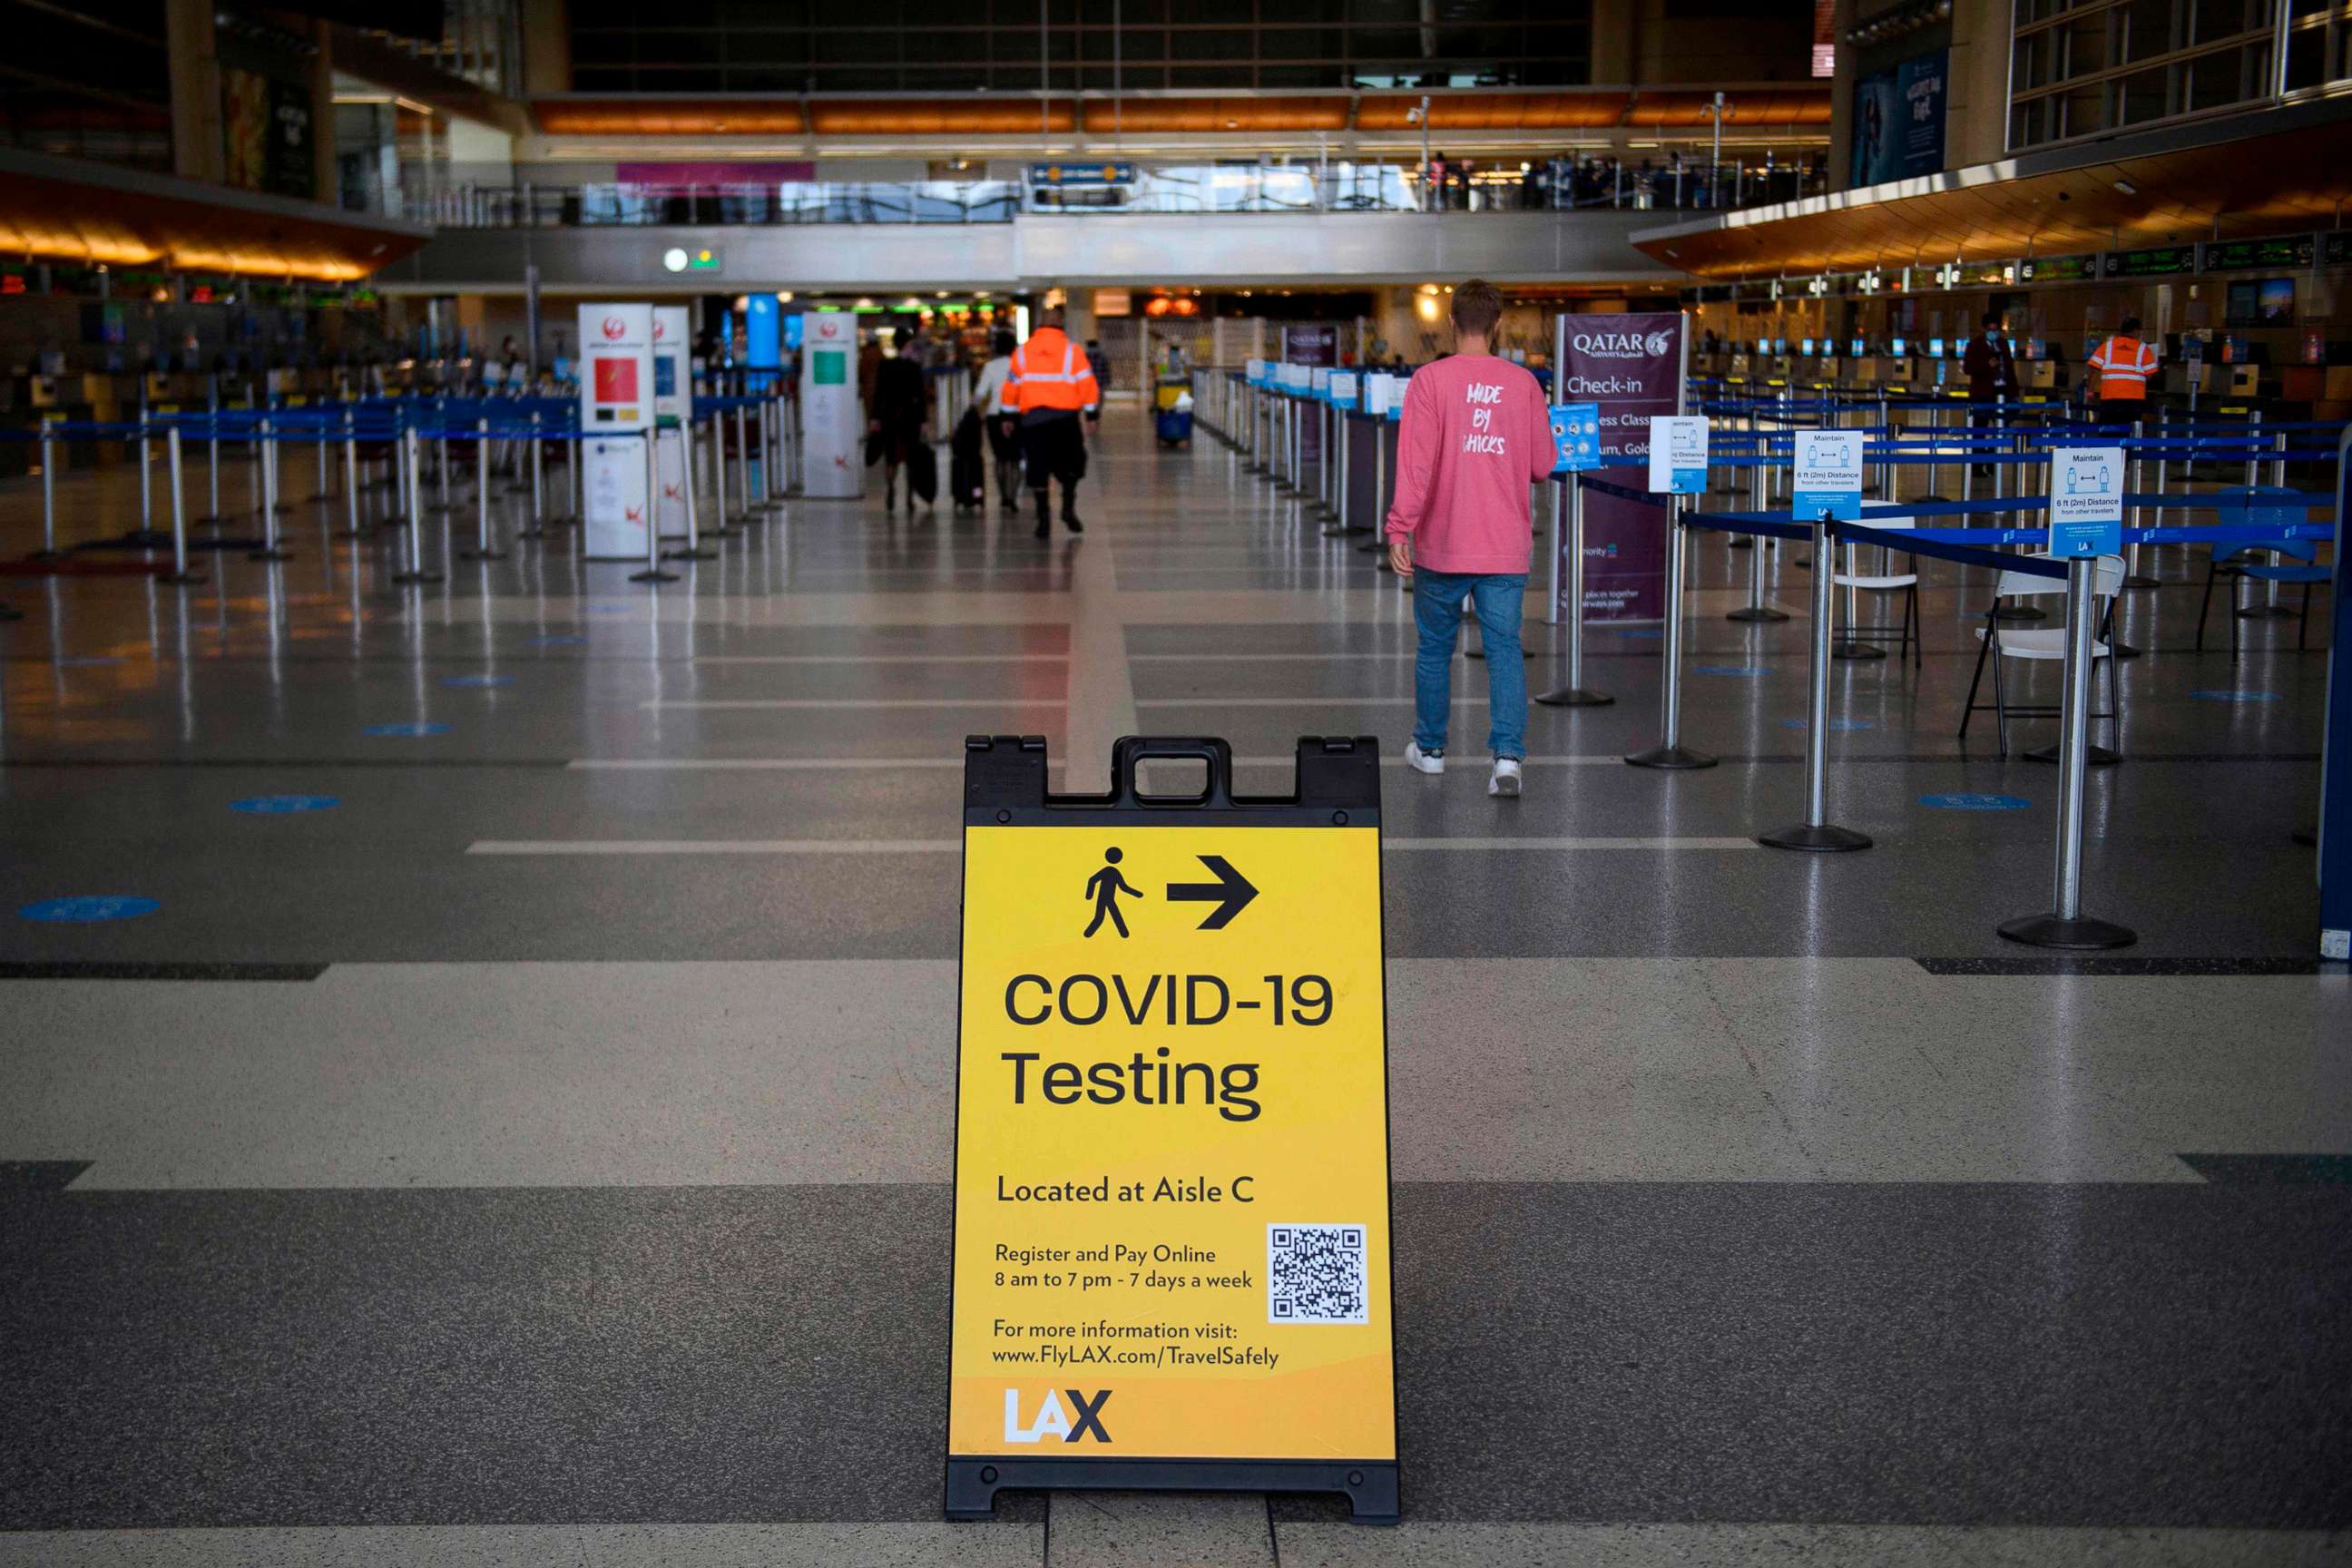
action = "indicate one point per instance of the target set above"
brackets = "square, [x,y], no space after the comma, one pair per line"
[1556,185]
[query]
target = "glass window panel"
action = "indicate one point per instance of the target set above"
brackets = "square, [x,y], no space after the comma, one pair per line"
[2141,96]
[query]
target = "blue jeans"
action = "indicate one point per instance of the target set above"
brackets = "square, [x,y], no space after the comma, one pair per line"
[1437,610]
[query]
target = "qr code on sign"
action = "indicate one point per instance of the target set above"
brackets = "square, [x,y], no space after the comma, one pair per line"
[1315,1274]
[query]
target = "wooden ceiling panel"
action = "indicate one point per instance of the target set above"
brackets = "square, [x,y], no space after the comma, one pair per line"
[1012,114]
[83,219]
[1204,115]
[939,116]
[2250,185]
[669,117]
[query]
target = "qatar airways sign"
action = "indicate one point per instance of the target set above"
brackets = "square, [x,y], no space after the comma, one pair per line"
[1632,366]
[1631,369]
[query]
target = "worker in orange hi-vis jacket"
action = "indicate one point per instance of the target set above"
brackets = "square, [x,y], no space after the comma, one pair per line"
[2123,366]
[1050,387]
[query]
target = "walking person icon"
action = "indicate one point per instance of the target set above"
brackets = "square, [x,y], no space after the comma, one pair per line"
[1104,887]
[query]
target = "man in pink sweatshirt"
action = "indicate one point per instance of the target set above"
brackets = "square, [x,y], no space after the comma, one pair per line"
[1475,436]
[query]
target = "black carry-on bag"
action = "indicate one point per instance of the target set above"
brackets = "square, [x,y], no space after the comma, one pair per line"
[967,462]
[923,472]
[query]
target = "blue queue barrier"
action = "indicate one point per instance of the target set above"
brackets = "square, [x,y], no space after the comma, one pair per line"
[2063,926]
[2333,850]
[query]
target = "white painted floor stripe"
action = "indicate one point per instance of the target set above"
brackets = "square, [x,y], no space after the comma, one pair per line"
[951,845]
[868,765]
[880,658]
[766,765]
[850,702]
[1698,842]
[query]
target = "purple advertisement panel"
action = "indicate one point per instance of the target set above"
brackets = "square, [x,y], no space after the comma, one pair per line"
[1632,366]
[1311,346]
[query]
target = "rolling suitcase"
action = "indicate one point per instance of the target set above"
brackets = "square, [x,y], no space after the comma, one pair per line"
[967,463]
[923,472]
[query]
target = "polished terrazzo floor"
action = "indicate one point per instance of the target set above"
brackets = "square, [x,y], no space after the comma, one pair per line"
[519,1132]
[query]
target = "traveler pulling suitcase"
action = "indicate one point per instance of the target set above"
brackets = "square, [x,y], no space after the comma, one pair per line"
[923,472]
[966,462]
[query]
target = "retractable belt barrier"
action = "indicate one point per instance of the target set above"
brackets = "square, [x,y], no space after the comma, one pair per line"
[2063,926]
[395,427]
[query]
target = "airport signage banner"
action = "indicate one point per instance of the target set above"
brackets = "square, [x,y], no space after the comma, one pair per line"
[1678,455]
[1171,1244]
[1899,121]
[1311,346]
[2087,501]
[673,406]
[833,425]
[1630,367]
[616,406]
[762,333]
[1575,437]
[1825,476]
[1113,173]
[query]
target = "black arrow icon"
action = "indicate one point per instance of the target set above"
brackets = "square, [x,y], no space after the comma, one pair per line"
[1230,892]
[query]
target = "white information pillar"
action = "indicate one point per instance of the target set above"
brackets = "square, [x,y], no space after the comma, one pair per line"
[616,407]
[833,425]
[673,406]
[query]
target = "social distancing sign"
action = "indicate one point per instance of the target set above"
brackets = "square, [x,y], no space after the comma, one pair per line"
[1171,1251]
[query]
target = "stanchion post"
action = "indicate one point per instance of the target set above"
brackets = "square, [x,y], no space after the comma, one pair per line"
[412,460]
[49,494]
[653,572]
[742,465]
[212,444]
[1670,753]
[536,454]
[1570,507]
[482,551]
[693,550]
[1815,834]
[351,468]
[1756,610]
[713,457]
[2133,576]
[265,458]
[179,573]
[2066,927]
[146,480]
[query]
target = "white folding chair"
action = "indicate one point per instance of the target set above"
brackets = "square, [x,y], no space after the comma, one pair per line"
[1855,582]
[2000,644]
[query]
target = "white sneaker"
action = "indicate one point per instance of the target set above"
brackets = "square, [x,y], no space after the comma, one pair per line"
[1505,779]
[1424,761]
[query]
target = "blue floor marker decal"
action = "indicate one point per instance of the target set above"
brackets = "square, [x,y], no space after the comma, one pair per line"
[2235,695]
[406,731]
[1835,724]
[465,682]
[1745,670]
[560,640]
[88,909]
[1631,631]
[284,804]
[1975,801]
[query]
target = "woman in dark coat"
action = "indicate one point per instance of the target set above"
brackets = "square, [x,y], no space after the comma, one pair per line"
[900,414]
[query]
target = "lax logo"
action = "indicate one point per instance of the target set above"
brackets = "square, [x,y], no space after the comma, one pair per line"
[1052,1420]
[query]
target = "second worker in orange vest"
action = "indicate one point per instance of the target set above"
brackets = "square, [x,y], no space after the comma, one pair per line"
[1050,389]
[2123,366]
